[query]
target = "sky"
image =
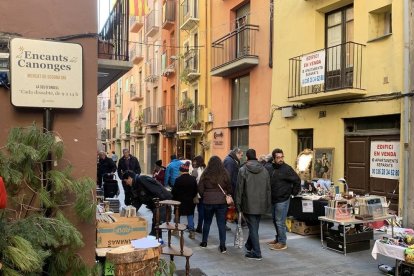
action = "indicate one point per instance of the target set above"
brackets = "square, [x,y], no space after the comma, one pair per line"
[103,11]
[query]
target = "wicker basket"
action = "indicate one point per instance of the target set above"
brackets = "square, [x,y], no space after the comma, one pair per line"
[128,261]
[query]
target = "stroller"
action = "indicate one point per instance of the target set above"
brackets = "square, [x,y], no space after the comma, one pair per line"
[110,186]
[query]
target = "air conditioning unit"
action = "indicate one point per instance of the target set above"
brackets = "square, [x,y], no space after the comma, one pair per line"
[288,112]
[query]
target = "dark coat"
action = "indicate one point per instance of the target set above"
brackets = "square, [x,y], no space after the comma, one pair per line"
[211,193]
[133,165]
[105,166]
[284,182]
[232,165]
[253,189]
[184,190]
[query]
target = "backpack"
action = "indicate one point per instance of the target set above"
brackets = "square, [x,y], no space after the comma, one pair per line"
[3,194]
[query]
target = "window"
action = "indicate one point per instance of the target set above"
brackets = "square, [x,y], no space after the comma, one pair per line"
[240,138]
[305,139]
[380,23]
[240,98]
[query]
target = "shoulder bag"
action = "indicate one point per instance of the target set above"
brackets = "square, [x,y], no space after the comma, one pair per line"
[229,199]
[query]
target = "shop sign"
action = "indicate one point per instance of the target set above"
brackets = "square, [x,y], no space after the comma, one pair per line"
[312,69]
[218,142]
[46,74]
[385,159]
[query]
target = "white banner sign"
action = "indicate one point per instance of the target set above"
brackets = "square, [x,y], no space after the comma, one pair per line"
[385,159]
[46,74]
[312,69]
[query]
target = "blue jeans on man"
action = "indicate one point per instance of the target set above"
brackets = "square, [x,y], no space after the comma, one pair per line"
[220,211]
[252,243]
[279,214]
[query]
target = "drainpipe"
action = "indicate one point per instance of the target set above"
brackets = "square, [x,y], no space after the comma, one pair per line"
[272,8]
[406,108]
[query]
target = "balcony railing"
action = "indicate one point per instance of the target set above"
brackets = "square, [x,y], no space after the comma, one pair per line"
[136,53]
[103,135]
[235,51]
[150,116]
[188,14]
[168,60]
[151,24]
[190,120]
[168,14]
[342,75]
[191,65]
[117,99]
[151,70]
[135,23]
[135,92]
[113,38]
[115,133]
[166,117]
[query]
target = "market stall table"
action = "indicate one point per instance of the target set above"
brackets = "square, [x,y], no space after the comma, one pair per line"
[392,251]
[302,212]
[351,221]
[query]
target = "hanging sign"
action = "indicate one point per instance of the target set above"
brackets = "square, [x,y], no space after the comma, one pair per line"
[385,159]
[46,74]
[312,69]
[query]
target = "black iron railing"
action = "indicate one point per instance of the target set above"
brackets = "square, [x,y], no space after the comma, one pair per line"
[114,36]
[150,22]
[188,12]
[343,69]
[190,119]
[238,44]
[166,116]
[150,116]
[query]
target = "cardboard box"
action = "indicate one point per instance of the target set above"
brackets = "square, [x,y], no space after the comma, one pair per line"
[120,232]
[303,228]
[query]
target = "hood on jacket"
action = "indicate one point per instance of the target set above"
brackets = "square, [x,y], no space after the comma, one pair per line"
[254,166]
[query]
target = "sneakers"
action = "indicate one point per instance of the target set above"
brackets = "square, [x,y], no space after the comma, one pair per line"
[203,244]
[247,249]
[253,257]
[191,235]
[222,249]
[272,242]
[278,246]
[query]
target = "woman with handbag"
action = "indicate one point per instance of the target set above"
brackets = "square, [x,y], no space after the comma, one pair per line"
[198,168]
[214,188]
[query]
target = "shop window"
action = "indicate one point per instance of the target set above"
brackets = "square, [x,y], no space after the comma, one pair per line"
[386,122]
[240,138]
[240,98]
[305,139]
[380,23]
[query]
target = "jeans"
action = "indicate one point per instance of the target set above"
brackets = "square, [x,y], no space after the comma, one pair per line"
[200,210]
[220,211]
[252,242]
[190,222]
[279,214]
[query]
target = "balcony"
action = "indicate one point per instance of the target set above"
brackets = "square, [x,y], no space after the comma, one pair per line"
[104,135]
[117,100]
[191,66]
[136,23]
[136,92]
[167,122]
[150,116]
[113,60]
[136,53]
[188,14]
[115,133]
[168,61]
[339,76]
[235,51]
[151,24]
[151,70]
[168,15]
[190,121]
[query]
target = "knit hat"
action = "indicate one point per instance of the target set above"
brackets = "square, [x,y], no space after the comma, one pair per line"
[158,163]
[185,167]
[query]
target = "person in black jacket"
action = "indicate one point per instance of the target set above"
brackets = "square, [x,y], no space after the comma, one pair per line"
[284,182]
[105,166]
[128,162]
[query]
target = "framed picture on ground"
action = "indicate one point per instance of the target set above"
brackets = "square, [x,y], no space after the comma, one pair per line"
[323,163]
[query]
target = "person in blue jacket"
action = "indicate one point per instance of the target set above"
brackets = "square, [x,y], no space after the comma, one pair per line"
[172,171]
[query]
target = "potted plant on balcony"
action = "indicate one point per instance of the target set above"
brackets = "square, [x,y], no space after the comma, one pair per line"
[186,105]
[184,75]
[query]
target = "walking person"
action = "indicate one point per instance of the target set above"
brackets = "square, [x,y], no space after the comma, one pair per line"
[253,200]
[172,171]
[159,172]
[114,157]
[232,164]
[214,200]
[284,182]
[128,162]
[198,169]
[184,190]
[106,167]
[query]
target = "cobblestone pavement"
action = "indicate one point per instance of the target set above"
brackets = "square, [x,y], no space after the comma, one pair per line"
[304,256]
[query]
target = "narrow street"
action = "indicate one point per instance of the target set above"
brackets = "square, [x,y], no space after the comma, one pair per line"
[304,256]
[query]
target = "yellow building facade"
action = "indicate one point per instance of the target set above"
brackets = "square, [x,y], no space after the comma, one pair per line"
[339,90]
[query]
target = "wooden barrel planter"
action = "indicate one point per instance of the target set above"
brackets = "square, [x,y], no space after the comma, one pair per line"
[128,261]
